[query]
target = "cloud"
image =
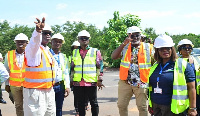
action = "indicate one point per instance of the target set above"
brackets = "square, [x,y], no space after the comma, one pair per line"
[151,14]
[193,15]
[170,29]
[97,13]
[61,6]
[63,19]
[39,16]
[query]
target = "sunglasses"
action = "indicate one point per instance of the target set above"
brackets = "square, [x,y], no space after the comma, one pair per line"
[133,36]
[84,38]
[186,48]
[45,33]
[164,48]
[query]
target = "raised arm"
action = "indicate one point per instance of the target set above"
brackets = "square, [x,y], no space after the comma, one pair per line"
[117,52]
[32,50]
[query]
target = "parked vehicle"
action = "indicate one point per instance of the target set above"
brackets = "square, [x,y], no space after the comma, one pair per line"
[195,52]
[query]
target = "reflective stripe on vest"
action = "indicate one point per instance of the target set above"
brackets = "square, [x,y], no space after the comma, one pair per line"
[144,61]
[86,67]
[41,76]
[16,73]
[197,67]
[63,67]
[180,101]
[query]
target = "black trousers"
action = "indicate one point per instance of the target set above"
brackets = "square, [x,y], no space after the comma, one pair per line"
[82,93]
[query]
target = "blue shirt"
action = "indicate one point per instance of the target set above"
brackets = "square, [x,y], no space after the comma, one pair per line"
[60,60]
[166,82]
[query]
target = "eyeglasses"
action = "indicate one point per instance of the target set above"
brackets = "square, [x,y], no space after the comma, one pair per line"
[84,38]
[133,36]
[21,41]
[45,33]
[186,48]
[164,48]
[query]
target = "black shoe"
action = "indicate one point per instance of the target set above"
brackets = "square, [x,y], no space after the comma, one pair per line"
[2,101]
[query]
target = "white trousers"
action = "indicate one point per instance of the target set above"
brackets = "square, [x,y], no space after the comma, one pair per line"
[39,102]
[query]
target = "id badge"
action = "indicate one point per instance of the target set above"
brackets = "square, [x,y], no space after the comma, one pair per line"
[158,90]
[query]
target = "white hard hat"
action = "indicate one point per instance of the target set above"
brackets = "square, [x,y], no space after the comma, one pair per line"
[83,33]
[163,41]
[75,43]
[185,41]
[47,27]
[58,36]
[142,35]
[133,29]
[21,36]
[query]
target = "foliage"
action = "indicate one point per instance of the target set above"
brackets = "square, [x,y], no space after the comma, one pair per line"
[70,31]
[115,34]
[8,33]
[106,40]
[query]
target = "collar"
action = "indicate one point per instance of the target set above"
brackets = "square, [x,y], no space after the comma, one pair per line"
[52,52]
[170,62]
[18,53]
[45,48]
[87,48]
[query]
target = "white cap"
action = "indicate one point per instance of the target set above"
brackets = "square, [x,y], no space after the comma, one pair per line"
[1,55]
[58,36]
[163,41]
[133,29]
[185,41]
[75,43]
[84,33]
[21,36]
[47,27]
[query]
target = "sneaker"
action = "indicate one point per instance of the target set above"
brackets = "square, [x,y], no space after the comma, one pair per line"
[2,101]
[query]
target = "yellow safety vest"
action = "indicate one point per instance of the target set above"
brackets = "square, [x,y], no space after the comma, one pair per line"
[63,67]
[197,66]
[85,68]
[180,99]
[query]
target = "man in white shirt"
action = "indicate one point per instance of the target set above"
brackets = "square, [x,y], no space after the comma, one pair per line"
[15,65]
[3,75]
[39,96]
[1,95]
[62,81]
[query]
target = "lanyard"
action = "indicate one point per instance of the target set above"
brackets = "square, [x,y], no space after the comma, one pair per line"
[161,70]
[56,58]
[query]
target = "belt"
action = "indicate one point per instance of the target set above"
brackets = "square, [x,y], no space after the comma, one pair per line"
[58,83]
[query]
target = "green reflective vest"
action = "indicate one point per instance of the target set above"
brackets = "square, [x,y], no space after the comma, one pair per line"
[197,66]
[180,99]
[63,67]
[85,68]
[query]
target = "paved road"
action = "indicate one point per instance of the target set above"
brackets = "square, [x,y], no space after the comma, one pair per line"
[107,99]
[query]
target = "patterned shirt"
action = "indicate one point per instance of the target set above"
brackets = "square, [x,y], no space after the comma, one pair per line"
[133,73]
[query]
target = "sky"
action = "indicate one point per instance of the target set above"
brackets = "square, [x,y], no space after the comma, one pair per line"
[172,16]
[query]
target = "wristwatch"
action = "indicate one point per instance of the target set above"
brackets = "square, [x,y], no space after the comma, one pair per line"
[193,108]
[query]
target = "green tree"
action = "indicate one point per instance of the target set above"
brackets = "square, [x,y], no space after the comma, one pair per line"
[115,34]
[150,33]
[8,33]
[70,32]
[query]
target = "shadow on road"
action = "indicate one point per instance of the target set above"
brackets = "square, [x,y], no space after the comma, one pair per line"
[106,100]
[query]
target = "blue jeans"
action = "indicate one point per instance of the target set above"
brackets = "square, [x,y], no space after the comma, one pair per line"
[59,97]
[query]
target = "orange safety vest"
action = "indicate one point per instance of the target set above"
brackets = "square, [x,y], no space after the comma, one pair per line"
[144,61]
[41,76]
[16,73]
